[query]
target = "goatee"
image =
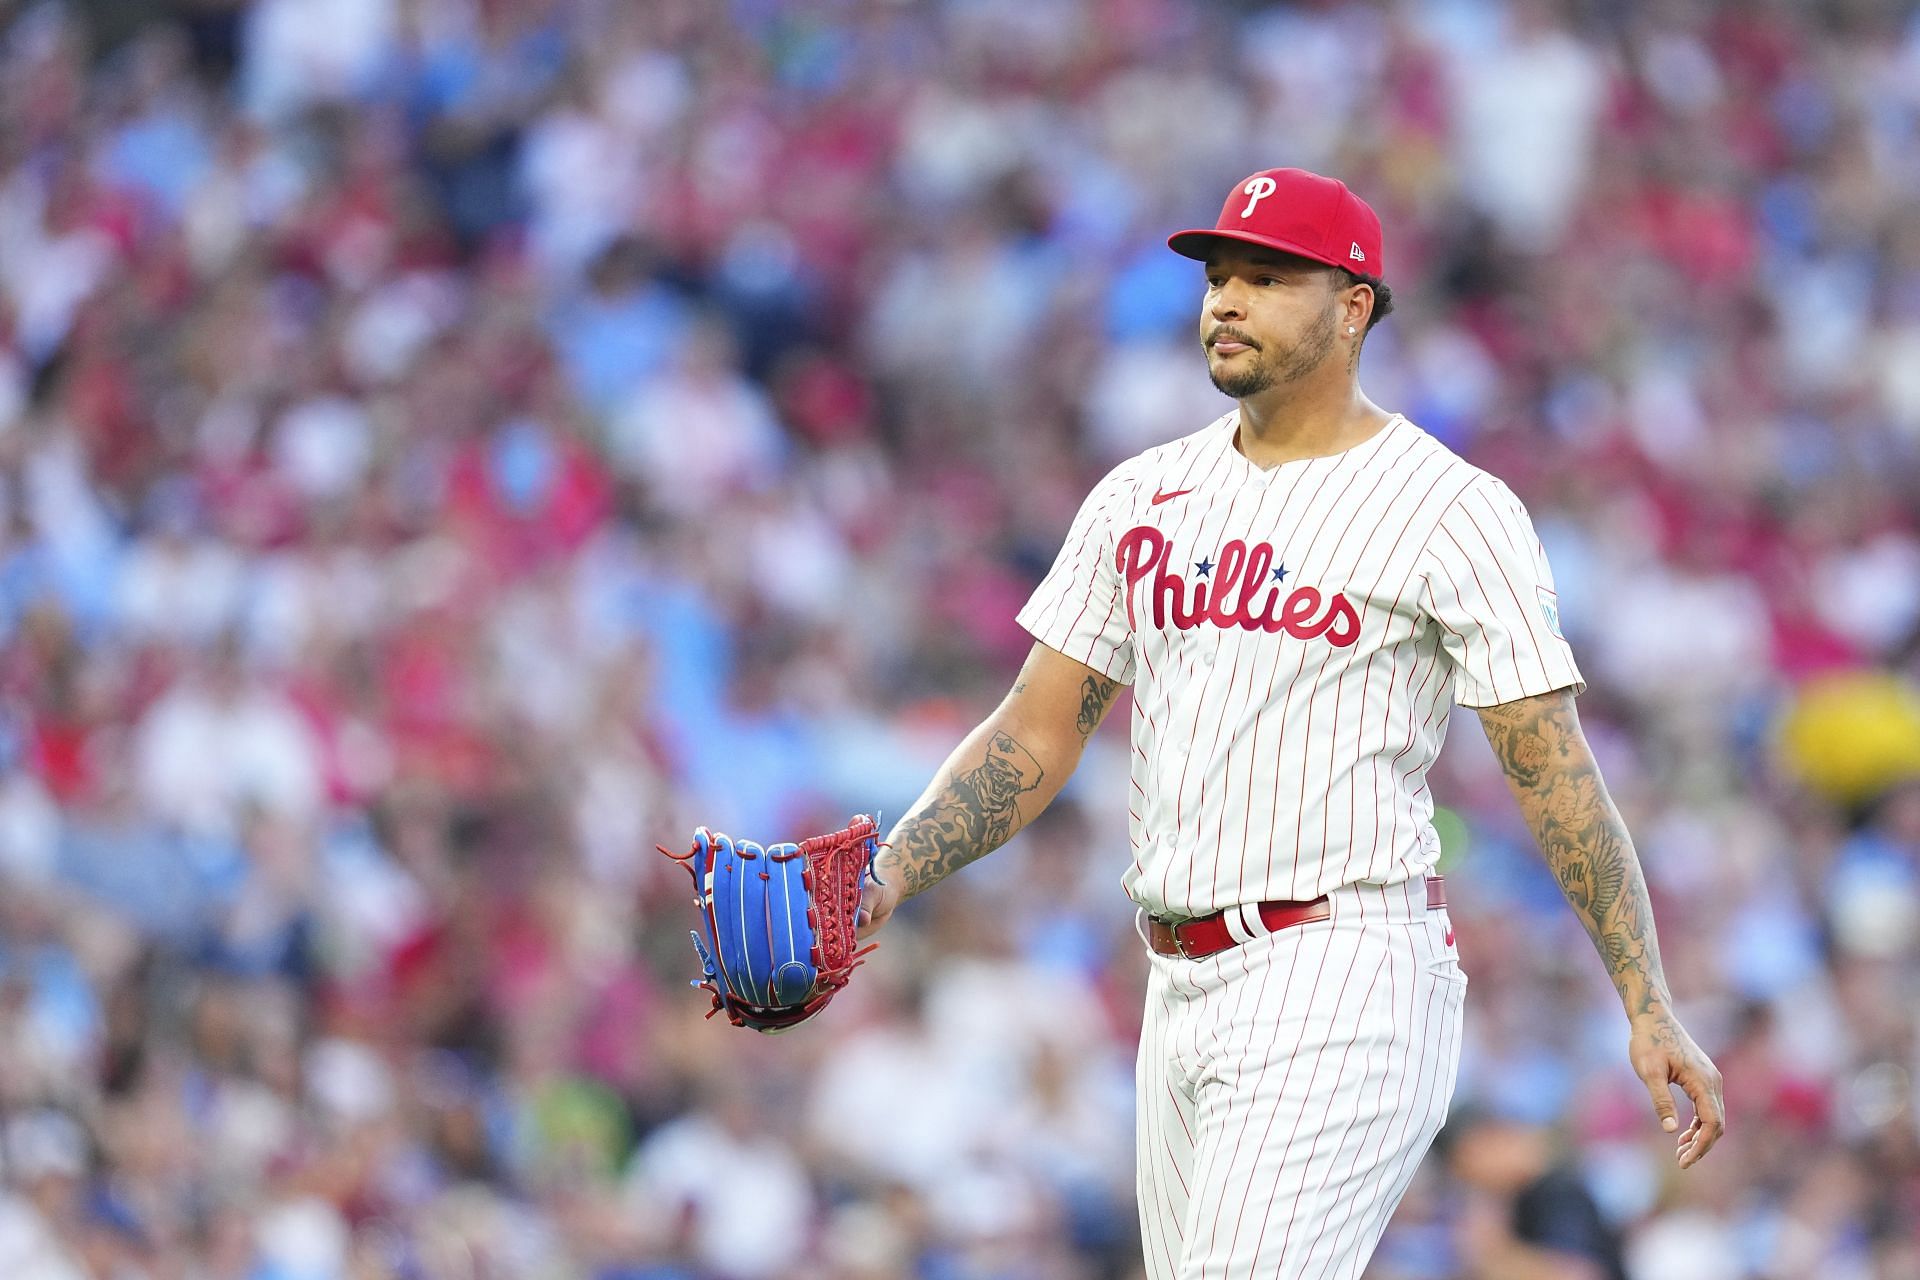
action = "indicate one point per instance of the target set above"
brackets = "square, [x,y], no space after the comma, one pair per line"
[1261,373]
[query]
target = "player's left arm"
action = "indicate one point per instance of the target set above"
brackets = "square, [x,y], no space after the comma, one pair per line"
[1552,772]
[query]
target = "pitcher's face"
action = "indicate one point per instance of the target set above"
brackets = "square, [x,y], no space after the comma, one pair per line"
[1268,318]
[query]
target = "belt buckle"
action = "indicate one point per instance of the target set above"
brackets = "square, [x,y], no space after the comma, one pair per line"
[1180,944]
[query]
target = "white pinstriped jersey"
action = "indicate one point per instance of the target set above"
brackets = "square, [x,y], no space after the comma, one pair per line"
[1296,638]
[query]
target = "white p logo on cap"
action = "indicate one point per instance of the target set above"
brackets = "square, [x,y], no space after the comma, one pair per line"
[1259,189]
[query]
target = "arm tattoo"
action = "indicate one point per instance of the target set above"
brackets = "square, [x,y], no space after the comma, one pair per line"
[974,814]
[1096,695]
[1553,775]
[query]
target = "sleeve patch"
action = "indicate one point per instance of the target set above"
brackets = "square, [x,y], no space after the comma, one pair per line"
[1550,609]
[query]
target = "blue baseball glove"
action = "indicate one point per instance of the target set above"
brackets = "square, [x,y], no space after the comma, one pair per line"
[779,939]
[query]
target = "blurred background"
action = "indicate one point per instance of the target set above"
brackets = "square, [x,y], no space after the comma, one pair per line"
[448,446]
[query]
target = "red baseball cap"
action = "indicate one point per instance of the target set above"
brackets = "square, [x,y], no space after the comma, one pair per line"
[1295,212]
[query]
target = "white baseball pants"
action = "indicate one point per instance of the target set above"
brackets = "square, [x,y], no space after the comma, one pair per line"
[1289,1086]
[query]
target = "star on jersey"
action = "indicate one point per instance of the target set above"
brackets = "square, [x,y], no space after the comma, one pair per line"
[1203,567]
[1280,574]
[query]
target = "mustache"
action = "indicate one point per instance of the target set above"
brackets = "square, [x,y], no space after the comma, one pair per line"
[1227,333]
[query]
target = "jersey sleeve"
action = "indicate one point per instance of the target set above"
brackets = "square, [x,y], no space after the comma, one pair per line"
[1487,586]
[1079,608]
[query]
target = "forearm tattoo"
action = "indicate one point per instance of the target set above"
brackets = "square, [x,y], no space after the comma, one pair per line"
[972,815]
[1096,695]
[1553,774]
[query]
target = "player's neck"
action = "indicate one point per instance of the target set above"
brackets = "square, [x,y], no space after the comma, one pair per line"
[1286,424]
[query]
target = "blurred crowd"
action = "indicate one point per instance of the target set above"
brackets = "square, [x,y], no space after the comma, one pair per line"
[449,446]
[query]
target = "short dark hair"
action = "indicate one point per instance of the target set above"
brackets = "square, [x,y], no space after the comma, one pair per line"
[1382,293]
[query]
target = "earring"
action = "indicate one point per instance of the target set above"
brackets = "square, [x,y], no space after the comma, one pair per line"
[1349,328]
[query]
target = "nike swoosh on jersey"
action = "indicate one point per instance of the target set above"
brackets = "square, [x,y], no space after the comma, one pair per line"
[1159,498]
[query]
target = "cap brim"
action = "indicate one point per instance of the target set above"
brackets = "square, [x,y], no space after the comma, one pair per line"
[1199,243]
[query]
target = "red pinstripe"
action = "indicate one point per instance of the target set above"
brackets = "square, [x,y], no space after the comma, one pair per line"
[1486,598]
[1240,646]
[1180,1115]
[1155,1063]
[1422,1080]
[1199,704]
[1510,516]
[1339,461]
[1193,510]
[1204,1061]
[1177,1112]
[1313,1147]
[1486,651]
[1328,655]
[1524,614]
[1393,767]
[1287,703]
[1200,1063]
[1333,738]
[1078,560]
[1360,734]
[1380,1109]
[1410,1161]
[1286,991]
[1144,643]
[1253,750]
[1145,654]
[1113,646]
[1395,775]
[1326,938]
[1140,705]
[1173,1160]
[1140,838]
[1244,954]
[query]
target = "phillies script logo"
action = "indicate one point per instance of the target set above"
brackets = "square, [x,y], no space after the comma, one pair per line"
[1226,598]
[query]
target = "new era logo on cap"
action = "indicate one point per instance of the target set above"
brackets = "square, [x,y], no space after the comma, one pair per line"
[1295,212]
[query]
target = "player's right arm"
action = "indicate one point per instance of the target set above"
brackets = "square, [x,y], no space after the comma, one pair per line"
[996,781]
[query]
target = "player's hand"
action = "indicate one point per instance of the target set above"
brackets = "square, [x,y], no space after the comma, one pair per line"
[883,893]
[1664,1055]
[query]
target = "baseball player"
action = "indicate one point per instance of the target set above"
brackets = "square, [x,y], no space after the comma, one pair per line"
[1299,593]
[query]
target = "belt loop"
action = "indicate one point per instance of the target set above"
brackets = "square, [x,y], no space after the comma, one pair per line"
[1140,927]
[1235,918]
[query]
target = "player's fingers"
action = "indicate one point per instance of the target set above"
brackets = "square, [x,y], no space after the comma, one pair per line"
[1656,1078]
[1702,1084]
[875,907]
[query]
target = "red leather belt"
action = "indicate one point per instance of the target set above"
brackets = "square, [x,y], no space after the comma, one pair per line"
[1204,935]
